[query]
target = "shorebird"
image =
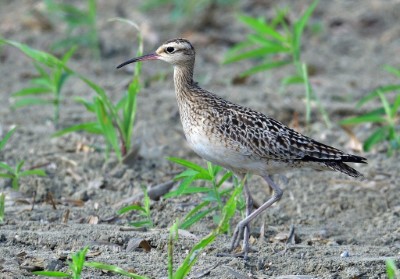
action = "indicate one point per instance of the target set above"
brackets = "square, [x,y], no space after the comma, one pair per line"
[240,139]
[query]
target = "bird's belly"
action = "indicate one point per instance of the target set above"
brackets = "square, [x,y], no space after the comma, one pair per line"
[216,151]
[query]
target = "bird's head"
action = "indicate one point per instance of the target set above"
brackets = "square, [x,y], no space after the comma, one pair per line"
[176,52]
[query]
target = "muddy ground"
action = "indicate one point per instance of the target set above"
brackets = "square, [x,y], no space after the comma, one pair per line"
[344,228]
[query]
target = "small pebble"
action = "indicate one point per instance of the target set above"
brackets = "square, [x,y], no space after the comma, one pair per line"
[345,254]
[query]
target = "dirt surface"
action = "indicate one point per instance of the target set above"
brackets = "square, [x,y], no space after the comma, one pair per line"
[344,228]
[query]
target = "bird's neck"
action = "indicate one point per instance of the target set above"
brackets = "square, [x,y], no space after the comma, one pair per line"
[183,80]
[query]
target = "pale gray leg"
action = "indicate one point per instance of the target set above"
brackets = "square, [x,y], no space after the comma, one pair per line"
[249,209]
[241,227]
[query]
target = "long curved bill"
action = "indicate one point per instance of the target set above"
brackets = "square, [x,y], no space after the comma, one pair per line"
[151,56]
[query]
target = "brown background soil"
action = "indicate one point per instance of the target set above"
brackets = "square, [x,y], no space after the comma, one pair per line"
[331,213]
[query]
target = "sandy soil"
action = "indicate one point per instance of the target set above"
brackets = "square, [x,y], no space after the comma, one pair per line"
[331,213]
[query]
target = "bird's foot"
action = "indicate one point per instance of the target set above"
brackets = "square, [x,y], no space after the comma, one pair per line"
[242,228]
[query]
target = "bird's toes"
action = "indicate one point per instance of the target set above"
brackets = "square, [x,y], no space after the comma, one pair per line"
[237,235]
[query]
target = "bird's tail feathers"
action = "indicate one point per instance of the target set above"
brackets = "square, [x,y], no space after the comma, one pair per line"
[342,167]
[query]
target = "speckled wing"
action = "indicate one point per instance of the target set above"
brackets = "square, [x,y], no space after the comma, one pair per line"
[267,138]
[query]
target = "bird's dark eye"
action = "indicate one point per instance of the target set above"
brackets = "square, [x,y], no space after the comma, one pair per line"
[170,49]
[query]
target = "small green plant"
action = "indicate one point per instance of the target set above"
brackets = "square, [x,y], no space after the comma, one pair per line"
[227,213]
[391,270]
[143,210]
[81,24]
[113,121]
[278,44]
[15,173]
[77,264]
[386,116]
[49,82]
[211,196]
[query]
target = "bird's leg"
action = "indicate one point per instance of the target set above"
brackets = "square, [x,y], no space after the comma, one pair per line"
[249,209]
[244,223]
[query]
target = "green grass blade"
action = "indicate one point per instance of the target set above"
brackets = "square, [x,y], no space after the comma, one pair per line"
[44,82]
[19,166]
[6,175]
[184,184]
[107,126]
[256,53]
[31,91]
[42,72]
[195,190]
[2,207]
[261,27]
[392,70]
[130,208]
[77,263]
[385,104]
[264,67]
[190,165]
[114,269]
[5,139]
[52,274]
[394,108]
[60,82]
[292,80]
[376,137]
[298,29]
[196,217]
[257,39]
[173,235]
[141,224]
[15,182]
[192,257]
[104,98]
[374,94]
[37,55]
[186,173]
[236,49]
[6,167]
[363,119]
[391,269]
[226,176]
[67,56]
[32,102]
[87,104]
[38,172]
[90,127]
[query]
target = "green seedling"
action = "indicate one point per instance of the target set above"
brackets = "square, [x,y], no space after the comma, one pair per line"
[77,264]
[113,121]
[81,24]
[2,207]
[212,201]
[392,271]
[15,173]
[143,210]
[277,44]
[49,81]
[228,212]
[385,116]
